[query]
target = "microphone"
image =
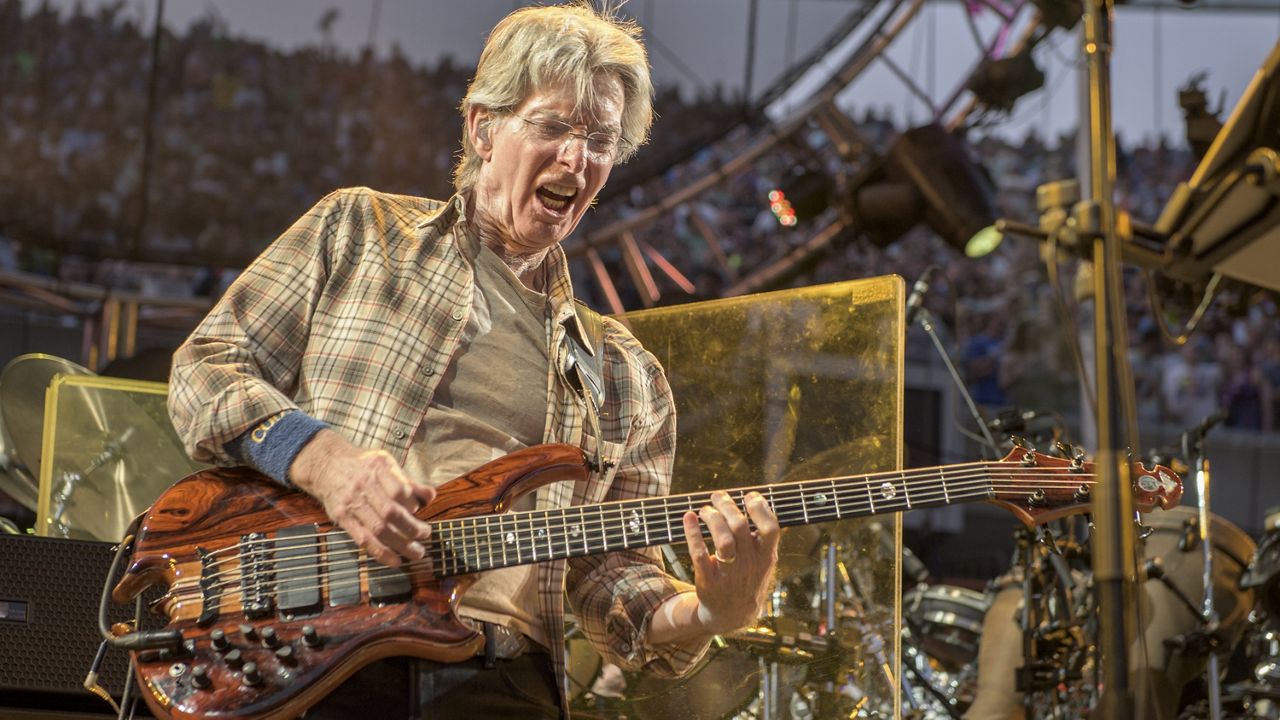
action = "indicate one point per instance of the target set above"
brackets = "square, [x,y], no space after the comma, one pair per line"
[916,298]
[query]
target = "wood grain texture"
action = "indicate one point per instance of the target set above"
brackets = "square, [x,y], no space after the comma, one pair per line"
[209,513]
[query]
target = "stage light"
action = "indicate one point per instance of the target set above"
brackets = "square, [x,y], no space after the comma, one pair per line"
[998,83]
[927,174]
[802,194]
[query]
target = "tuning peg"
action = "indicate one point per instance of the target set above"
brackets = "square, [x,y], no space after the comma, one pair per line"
[1064,449]
[1020,442]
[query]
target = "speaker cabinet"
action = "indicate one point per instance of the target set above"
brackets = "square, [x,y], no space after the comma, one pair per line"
[49,591]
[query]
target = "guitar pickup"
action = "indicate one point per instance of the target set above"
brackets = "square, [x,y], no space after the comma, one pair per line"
[297,569]
[388,584]
[342,562]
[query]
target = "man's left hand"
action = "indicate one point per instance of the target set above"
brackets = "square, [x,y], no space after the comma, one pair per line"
[734,581]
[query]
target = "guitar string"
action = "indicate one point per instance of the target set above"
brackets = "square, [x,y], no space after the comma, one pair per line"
[322,571]
[785,508]
[781,494]
[911,475]
[322,574]
[914,473]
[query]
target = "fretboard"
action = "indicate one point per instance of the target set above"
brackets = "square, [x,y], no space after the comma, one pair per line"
[485,542]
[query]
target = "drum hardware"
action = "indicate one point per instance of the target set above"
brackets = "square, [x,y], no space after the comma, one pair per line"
[1193,447]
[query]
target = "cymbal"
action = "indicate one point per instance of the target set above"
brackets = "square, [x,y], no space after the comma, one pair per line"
[22,386]
[113,453]
[799,547]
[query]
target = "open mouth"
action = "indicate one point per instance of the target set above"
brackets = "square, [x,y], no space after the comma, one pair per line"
[556,197]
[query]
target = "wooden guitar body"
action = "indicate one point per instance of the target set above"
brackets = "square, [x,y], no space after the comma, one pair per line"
[244,657]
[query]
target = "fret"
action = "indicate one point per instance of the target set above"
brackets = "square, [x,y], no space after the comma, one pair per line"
[835,498]
[488,535]
[666,512]
[448,544]
[581,529]
[622,526]
[540,532]
[508,537]
[942,476]
[870,496]
[604,532]
[804,503]
[645,522]
[517,532]
[545,530]
[906,493]
[471,547]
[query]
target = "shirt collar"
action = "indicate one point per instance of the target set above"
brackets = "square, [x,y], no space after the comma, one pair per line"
[453,212]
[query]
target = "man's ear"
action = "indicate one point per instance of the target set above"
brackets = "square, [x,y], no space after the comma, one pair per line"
[479,130]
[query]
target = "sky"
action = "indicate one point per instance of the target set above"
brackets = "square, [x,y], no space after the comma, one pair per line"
[696,44]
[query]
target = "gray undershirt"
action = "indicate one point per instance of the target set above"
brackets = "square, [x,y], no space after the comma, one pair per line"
[491,401]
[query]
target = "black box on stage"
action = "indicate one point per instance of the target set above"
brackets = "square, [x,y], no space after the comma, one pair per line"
[49,592]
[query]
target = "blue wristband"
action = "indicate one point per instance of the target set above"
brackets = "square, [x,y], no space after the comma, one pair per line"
[272,446]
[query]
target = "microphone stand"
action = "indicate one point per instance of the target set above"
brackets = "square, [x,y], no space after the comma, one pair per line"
[1193,449]
[1114,568]
[925,320]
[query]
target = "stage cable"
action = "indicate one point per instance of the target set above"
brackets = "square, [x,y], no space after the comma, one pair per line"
[1157,308]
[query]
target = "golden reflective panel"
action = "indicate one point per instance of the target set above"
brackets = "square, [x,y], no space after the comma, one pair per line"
[109,450]
[779,387]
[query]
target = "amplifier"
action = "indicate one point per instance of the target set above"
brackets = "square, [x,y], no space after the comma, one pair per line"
[49,591]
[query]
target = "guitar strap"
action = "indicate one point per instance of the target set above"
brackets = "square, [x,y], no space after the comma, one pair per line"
[587,368]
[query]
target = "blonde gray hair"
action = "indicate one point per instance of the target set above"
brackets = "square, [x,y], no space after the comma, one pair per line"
[535,47]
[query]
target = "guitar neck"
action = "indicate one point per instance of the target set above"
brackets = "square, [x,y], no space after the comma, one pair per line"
[486,542]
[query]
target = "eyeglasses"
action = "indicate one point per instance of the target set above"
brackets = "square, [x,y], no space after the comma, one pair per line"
[602,146]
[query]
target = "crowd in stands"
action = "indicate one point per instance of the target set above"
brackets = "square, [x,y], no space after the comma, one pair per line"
[245,137]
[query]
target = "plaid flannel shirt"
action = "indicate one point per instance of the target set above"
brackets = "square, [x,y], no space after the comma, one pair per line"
[353,315]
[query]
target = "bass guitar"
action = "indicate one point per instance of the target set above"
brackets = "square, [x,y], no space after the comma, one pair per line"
[269,606]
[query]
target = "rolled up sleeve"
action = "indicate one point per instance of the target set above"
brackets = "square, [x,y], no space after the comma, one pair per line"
[241,364]
[614,596]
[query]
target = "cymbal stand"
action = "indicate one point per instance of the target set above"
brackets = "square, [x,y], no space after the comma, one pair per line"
[1193,447]
[1053,654]
[873,641]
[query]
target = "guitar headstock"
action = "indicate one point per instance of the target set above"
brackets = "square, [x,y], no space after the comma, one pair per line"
[1038,488]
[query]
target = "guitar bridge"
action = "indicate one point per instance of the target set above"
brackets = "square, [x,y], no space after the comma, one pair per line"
[257,580]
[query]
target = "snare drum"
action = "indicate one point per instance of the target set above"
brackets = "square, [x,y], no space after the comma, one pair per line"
[948,621]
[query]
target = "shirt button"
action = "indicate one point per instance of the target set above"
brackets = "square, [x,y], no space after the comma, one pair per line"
[625,648]
[430,372]
[399,434]
[457,314]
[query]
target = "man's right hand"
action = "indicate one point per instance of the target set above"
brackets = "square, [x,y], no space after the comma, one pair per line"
[366,493]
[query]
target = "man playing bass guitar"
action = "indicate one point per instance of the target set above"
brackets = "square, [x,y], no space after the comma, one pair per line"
[385,344]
